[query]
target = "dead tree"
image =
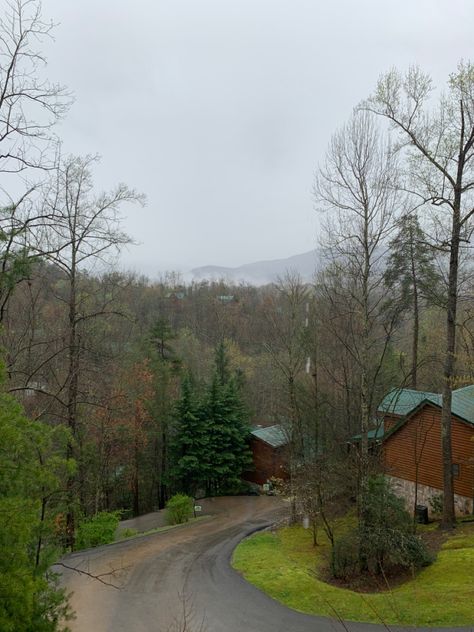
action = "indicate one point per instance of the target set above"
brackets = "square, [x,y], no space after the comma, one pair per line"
[357,189]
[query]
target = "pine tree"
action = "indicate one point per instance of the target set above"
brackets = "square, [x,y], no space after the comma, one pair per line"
[411,268]
[210,445]
[238,427]
[226,419]
[221,360]
[160,336]
[191,444]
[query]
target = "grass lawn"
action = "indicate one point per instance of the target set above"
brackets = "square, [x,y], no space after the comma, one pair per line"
[285,565]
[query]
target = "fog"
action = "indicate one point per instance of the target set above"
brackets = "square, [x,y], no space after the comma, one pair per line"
[220,111]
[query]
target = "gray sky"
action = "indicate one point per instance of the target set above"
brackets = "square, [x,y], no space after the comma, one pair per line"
[220,111]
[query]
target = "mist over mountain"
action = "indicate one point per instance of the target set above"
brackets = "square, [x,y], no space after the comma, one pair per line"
[261,272]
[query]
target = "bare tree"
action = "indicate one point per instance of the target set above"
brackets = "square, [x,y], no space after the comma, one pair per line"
[439,147]
[87,228]
[357,189]
[287,339]
[286,344]
[30,105]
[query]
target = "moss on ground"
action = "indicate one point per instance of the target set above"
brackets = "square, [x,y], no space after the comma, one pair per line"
[287,567]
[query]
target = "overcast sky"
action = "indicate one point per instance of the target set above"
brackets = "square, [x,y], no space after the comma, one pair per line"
[220,111]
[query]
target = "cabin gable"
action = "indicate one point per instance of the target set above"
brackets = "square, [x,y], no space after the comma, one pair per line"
[412,451]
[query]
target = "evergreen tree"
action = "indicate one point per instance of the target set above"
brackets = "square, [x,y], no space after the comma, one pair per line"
[221,360]
[191,445]
[160,336]
[411,268]
[210,445]
[226,421]
[30,473]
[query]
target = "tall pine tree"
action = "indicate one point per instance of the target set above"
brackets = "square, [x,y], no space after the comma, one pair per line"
[210,446]
[411,268]
[191,444]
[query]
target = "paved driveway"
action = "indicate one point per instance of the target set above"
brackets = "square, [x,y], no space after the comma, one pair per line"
[182,580]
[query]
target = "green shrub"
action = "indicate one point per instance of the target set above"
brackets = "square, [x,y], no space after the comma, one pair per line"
[436,504]
[382,541]
[127,533]
[100,529]
[179,509]
[345,557]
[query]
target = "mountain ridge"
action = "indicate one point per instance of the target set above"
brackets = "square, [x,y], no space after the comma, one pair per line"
[261,272]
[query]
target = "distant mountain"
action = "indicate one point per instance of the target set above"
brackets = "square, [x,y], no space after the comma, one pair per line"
[261,272]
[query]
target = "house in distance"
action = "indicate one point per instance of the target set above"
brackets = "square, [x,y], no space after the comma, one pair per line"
[269,452]
[412,450]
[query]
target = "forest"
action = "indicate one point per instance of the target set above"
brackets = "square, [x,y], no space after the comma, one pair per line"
[119,391]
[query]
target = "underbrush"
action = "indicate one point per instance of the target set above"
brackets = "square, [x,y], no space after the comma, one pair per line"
[100,529]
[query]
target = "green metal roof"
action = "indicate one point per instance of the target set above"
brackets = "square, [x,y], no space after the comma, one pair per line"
[276,435]
[463,403]
[403,401]
[378,433]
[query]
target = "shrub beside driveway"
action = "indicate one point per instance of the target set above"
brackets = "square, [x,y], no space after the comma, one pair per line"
[287,567]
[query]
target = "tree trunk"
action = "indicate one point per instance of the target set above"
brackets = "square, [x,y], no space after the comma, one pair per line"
[163,467]
[39,542]
[416,325]
[448,520]
[135,481]
[415,502]
[364,444]
[364,369]
[414,354]
[72,391]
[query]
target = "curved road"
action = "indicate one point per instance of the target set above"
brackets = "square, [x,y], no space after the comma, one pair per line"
[181,580]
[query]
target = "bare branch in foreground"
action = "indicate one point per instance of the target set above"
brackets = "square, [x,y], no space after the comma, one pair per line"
[99,577]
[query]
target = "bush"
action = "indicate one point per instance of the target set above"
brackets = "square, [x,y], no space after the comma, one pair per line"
[127,533]
[179,509]
[383,540]
[100,529]
[345,557]
[436,504]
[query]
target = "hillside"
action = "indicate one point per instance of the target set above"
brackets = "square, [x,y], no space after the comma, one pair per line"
[261,272]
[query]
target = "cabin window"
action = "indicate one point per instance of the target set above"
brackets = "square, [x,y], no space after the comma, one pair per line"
[456,470]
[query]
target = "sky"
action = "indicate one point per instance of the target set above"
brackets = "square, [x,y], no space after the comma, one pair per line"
[220,111]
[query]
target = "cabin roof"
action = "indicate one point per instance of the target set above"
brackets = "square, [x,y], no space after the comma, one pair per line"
[373,435]
[403,401]
[276,435]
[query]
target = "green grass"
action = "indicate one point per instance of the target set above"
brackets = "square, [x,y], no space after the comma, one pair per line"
[285,565]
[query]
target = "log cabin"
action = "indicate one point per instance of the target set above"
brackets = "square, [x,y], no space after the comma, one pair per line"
[269,453]
[412,452]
